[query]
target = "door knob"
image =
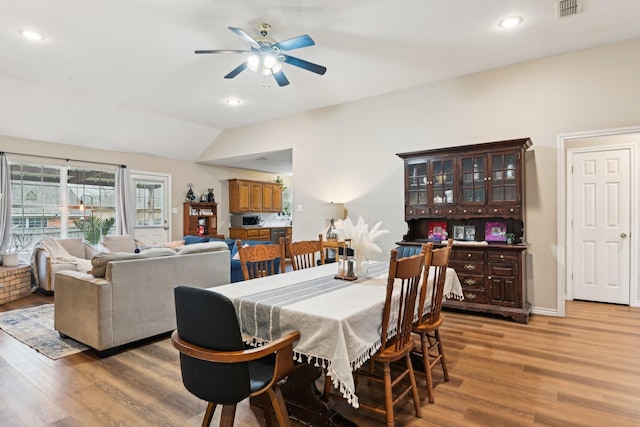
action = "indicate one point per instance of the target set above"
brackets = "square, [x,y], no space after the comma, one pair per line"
[623,235]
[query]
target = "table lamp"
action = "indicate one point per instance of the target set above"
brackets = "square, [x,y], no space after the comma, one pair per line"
[334,211]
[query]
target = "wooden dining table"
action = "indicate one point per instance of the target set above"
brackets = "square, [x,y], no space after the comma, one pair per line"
[339,323]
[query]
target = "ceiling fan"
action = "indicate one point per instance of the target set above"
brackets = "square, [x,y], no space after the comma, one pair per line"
[266,57]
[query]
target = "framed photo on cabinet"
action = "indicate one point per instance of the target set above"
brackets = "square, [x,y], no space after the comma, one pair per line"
[458,232]
[437,230]
[494,231]
[469,232]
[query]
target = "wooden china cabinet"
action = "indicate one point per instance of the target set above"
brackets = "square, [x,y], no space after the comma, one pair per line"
[474,193]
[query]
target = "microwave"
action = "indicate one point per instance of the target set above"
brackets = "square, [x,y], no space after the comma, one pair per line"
[246,221]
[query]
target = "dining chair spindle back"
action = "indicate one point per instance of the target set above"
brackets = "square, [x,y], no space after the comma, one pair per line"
[431,350]
[261,260]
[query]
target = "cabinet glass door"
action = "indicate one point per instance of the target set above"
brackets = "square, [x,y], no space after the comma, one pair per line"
[503,178]
[442,182]
[417,183]
[473,180]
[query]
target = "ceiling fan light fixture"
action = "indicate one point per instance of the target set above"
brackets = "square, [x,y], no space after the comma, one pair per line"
[270,61]
[253,62]
[233,101]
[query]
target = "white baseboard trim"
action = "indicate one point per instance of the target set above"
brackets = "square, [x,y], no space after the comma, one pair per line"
[545,311]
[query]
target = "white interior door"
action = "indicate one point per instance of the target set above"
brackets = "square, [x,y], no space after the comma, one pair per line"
[152,208]
[601,225]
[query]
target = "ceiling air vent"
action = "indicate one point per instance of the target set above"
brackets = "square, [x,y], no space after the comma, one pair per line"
[566,8]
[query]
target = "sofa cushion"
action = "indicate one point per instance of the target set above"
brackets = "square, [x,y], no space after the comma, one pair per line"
[230,242]
[201,247]
[190,240]
[124,243]
[75,246]
[100,261]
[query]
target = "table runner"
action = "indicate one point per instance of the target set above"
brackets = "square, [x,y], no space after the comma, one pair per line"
[339,321]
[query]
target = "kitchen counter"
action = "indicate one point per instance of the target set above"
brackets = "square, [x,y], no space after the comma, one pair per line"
[256,232]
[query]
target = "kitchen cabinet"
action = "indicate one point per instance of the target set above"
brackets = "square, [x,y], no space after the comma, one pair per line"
[200,219]
[254,196]
[471,186]
[258,233]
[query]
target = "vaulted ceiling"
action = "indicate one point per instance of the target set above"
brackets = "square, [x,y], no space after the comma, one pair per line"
[124,76]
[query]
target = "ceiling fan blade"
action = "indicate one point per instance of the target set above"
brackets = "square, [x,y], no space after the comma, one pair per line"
[240,68]
[242,33]
[295,43]
[310,66]
[221,51]
[281,78]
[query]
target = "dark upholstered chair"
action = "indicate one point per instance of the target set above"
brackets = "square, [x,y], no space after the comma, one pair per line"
[215,364]
[431,349]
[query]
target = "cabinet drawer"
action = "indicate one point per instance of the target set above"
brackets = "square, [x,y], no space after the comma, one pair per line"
[503,210]
[468,254]
[415,212]
[471,281]
[473,295]
[443,211]
[506,256]
[472,210]
[265,234]
[467,267]
[253,233]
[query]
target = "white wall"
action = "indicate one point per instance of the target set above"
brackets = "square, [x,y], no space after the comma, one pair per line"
[347,153]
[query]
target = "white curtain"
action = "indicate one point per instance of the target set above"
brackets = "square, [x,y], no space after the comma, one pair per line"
[126,202]
[5,203]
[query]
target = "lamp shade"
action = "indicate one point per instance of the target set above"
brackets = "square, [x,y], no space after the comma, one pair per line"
[334,210]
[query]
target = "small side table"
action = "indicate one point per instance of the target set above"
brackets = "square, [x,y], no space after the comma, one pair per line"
[15,282]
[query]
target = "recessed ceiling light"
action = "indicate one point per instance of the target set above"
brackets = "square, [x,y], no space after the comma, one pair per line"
[233,101]
[31,35]
[509,22]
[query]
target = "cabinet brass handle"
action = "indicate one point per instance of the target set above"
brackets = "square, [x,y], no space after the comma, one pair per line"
[501,256]
[465,211]
[495,210]
[470,282]
[489,277]
[469,267]
[511,210]
[471,296]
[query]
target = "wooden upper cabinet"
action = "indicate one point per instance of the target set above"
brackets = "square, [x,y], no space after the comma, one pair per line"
[276,201]
[239,196]
[255,200]
[481,180]
[254,196]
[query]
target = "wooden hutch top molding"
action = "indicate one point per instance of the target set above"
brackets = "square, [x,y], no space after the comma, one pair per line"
[486,147]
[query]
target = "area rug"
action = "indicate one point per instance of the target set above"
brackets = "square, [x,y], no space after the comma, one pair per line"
[34,327]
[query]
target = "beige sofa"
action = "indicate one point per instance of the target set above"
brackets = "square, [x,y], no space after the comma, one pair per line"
[45,266]
[134,300]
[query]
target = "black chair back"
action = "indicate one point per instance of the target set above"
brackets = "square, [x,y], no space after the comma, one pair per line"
[208,319]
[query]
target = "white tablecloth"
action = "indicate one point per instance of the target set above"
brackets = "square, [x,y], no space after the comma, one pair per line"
[339,321]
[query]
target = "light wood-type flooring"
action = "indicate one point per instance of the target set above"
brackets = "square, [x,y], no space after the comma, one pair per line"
[582,370]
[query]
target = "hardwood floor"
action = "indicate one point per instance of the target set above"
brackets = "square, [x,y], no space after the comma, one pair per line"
[582,370]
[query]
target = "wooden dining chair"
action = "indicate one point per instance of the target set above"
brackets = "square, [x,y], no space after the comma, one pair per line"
[396,343]
[261,260]
[215,364]
[304,253]
[431,350]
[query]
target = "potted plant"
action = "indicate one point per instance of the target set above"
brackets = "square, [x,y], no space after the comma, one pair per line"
[19,243]
[511,238]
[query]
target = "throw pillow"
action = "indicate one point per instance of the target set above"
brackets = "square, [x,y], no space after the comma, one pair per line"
[124,243]
[190,240]
[100,261]
[202,247]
